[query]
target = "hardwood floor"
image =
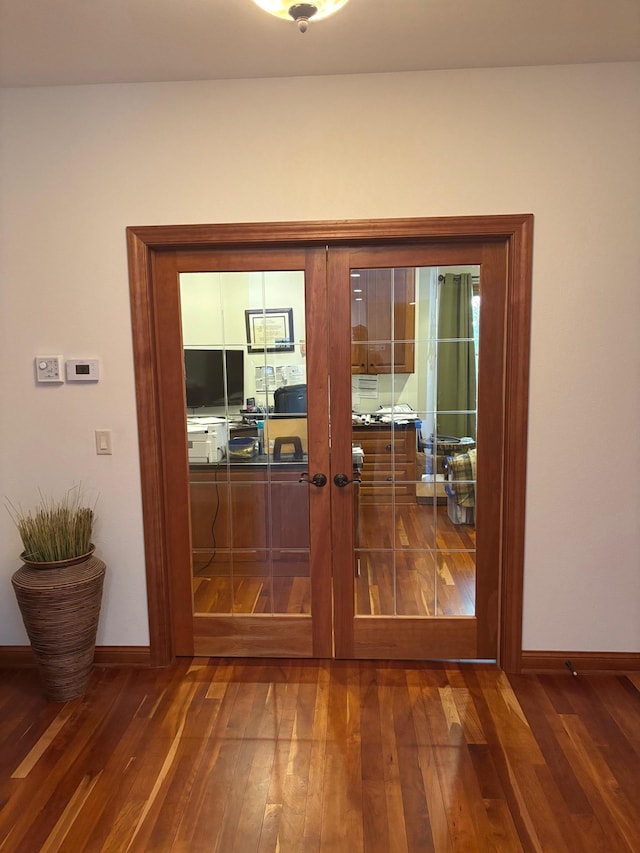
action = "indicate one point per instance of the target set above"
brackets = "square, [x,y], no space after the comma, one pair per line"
[413,561]
[234,755]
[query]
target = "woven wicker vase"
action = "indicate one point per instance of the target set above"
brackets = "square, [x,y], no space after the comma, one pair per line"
[60,606]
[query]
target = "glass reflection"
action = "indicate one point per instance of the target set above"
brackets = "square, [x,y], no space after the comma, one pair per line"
[245,386]
[414,399]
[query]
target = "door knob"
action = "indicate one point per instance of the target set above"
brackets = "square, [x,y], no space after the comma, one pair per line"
[318,480]
[341,480]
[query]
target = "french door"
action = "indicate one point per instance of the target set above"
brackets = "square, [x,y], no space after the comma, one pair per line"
[415,566]
[349,525]
[251,573]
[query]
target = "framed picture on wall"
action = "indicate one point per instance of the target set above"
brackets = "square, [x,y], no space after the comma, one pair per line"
[270,330]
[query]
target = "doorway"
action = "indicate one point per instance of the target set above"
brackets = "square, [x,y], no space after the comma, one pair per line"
[366,529]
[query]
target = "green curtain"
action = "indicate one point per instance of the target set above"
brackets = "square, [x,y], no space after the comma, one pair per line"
[456,358]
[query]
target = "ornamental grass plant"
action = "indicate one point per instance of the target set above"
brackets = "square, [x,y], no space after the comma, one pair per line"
[55,529]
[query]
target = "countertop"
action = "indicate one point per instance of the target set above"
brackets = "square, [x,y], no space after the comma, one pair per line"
[379,425]
[259,461]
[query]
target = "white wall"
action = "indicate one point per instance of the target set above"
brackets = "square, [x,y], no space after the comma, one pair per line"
[79,164]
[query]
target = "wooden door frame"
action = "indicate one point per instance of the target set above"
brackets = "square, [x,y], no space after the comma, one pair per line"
[146,242]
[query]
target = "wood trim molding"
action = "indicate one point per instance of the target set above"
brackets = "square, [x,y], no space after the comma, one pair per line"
[144,243]
[18,657]
[122,656]
[371,231]
[518,322]
[548,661]
[150,444]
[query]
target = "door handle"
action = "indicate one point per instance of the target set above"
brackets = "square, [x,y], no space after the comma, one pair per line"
[341,480]
[318,480]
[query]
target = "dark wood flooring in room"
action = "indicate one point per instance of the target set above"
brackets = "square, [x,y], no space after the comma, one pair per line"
[222,755]
[414,561]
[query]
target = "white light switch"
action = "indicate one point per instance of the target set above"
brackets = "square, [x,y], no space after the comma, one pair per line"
[103,442]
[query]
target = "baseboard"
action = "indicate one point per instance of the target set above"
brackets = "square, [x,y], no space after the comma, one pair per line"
[22,656]
[530,661]
[16,657]
[541,661]
[122,656]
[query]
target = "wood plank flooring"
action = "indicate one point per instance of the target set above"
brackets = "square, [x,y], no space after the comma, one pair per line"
[236,755]
[413,560]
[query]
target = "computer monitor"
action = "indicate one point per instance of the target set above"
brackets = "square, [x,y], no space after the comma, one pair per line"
[214,378]
[291,399]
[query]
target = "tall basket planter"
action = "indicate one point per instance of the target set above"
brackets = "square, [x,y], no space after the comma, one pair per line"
[60,606]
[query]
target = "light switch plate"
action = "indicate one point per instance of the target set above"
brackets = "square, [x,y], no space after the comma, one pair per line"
[103,442]
[48,368]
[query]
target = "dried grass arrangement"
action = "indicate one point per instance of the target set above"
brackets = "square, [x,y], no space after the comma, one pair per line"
[59,590]
[55,529]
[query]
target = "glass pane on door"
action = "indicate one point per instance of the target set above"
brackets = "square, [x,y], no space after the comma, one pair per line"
[245,380]
[414,401]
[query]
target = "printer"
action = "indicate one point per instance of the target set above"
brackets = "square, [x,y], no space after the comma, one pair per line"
[206,439]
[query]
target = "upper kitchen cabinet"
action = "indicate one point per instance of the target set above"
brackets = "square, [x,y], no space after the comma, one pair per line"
[382,320]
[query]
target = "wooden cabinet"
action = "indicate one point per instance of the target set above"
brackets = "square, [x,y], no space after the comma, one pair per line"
[382,311]
[389,462]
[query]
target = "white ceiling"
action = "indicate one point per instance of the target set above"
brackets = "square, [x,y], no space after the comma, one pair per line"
[60,42]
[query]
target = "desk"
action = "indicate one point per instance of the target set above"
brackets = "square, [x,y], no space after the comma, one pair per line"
[249,505]
[389,461]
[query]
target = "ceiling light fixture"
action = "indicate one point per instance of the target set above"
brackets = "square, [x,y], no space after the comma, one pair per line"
[301,13]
